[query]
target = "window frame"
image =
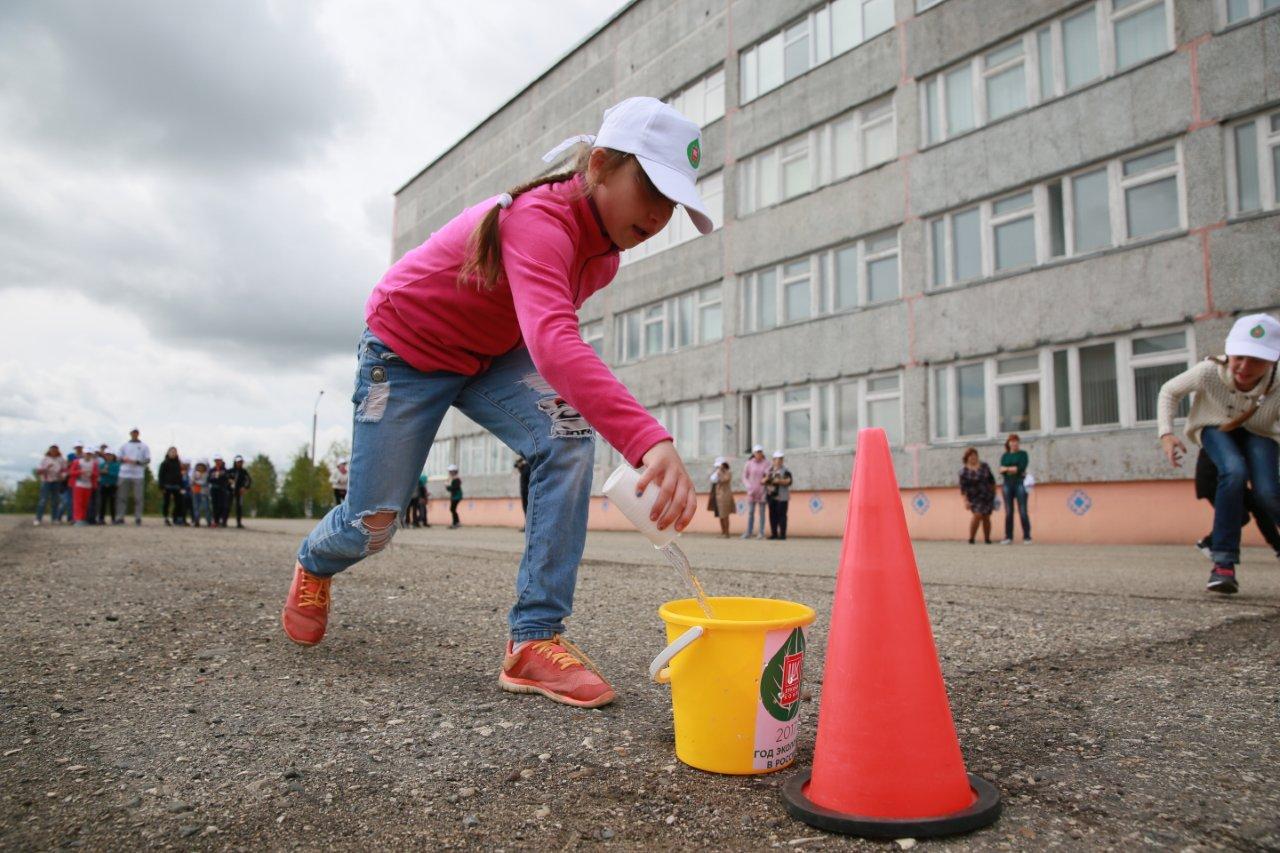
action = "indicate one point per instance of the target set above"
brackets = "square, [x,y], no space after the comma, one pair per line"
[1105,18]
[1265,141]
[704,297]
[818,21]
[1117,207]
[824,410]
[1126,365]
[821,148]
[823,286]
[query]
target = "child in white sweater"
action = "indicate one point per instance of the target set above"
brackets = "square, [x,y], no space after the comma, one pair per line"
[1235,418]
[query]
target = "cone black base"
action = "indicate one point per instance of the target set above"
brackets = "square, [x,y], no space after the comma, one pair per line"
[984,811]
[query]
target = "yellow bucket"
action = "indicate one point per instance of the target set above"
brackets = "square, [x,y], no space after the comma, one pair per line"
[735,681]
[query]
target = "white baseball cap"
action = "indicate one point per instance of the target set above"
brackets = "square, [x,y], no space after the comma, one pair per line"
[720,460]
[342,461]
[778,454]
[666,145]
[453,467]
[759,448]
[1256,335]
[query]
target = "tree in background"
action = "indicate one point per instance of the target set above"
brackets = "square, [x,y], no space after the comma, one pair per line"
[302,482]
[260,500]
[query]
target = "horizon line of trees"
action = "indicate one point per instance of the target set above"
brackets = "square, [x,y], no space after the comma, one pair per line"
[272,496]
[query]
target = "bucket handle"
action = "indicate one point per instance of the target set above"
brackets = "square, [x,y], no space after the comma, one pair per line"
[658,670]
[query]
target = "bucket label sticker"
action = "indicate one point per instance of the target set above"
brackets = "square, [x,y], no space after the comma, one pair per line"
[778,710]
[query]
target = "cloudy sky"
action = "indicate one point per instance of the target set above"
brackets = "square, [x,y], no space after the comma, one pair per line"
[197,200]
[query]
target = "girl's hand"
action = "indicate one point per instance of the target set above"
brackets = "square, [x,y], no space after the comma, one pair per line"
[1173,448]
[677,501]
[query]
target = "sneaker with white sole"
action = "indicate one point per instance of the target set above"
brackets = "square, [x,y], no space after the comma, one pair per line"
[1006,541]
[1223,579]
[557,669]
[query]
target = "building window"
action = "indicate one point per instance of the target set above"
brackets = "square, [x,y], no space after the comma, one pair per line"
[852,143]
[697,428]
[1105,38]
[688,319]
[1127,199]
[823,33]
[1253,159]
[1235,11]
[825,415]
[1102,383]
[857,274]
[440,457]
[593,334]
[702,101]
[680,229]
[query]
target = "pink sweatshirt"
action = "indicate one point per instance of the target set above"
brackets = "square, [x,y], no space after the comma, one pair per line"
[752,477]
[555,255]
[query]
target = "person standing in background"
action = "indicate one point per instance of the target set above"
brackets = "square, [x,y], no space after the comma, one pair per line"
[777,485]
[135,456]
[455,496]
[338,480]
[978,488]
[753,474]
[183,510]
[1013,465]
[108,484]
[51,473]
[240,481]
[200,493]
[169,478]
[83,476]
[220,491]
[722,501]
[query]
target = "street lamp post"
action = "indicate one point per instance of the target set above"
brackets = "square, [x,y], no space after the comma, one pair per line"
[315,414]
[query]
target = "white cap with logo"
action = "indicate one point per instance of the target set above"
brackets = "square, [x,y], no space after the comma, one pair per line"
[1256,335]
[666,145]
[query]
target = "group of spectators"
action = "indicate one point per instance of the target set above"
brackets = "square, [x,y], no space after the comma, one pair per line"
[88,486]
[415,512]
[768,485]
[978,488]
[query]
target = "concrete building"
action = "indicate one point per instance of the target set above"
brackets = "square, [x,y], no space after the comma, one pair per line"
[952,219]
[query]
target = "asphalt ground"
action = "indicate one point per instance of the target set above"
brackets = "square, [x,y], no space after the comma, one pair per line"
[151,700]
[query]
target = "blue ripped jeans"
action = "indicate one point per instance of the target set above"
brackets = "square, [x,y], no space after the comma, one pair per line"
[398,411]
[1242,458]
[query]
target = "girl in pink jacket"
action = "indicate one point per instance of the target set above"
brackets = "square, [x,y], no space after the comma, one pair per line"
[483,316]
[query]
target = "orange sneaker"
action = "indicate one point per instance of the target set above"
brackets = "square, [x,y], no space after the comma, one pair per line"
[306,610]
[557,669]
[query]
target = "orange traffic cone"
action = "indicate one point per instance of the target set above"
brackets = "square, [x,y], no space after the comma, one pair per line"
[887,762]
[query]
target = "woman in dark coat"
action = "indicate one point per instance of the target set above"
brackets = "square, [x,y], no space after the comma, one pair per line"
[978,487]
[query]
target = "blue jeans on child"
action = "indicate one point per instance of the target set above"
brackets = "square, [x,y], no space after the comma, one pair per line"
[399,409]
[1241,457]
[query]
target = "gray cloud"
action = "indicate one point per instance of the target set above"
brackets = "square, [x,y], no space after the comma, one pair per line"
[209,86]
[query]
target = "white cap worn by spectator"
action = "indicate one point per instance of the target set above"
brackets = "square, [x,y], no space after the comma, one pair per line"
[453,468]
[778,454]
[720,460]
[759,448]
[1255,335]
[666,145]
[343,461]
[238,458]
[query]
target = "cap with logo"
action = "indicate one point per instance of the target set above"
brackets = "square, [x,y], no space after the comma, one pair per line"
[666,145]
[1255,335]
